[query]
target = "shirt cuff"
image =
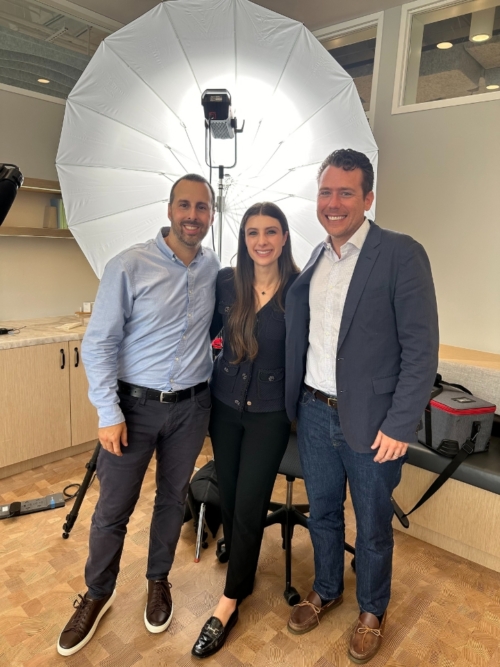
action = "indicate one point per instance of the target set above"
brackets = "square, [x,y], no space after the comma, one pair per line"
[110,416]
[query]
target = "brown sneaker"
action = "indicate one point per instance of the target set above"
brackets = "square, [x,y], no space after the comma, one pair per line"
[159,607]
[366,638]
[80,628]
[305,615]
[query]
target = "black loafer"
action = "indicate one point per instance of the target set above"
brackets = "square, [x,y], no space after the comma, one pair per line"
[213,636]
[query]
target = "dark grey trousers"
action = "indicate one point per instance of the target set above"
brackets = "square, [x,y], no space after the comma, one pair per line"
[176,432]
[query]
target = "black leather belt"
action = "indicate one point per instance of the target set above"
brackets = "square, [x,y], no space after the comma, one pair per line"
[162,396]
[329,400]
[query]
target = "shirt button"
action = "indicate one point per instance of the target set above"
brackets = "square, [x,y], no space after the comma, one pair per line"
[249,402]
[177,358]
[226,309]
[244,376]
[226,369]
[237,402]
[271,378]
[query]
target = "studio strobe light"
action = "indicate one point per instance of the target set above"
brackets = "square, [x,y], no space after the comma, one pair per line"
[218,113]
[11,180]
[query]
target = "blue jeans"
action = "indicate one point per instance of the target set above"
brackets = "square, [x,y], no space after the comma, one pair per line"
[328,463]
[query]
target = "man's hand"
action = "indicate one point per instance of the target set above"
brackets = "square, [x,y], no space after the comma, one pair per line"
[111,437]
[388,448]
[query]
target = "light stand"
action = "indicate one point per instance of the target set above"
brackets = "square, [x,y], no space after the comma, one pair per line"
[220,123]
[87,480]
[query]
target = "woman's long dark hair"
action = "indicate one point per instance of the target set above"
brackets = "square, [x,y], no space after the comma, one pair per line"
[242,318]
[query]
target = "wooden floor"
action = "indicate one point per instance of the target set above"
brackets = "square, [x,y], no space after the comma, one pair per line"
[444,611]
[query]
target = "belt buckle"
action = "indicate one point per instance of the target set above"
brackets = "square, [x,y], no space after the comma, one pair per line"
[171,394]
[332,402]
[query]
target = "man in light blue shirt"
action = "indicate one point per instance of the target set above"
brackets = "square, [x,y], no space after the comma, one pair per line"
[148,358]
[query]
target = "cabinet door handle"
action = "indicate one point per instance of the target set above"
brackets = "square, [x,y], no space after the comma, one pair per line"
[63,359]
[77,357]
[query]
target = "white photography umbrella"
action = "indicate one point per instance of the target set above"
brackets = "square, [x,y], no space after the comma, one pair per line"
[134,122]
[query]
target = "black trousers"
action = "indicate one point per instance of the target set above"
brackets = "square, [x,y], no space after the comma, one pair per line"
[175,432]
[248,448]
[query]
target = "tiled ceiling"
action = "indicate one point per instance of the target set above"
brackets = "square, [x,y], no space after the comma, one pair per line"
[312,13]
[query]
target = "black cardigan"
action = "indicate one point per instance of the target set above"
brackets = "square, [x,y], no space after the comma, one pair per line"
[257,386]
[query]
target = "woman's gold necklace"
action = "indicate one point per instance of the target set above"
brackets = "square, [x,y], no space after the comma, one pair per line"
[274,285]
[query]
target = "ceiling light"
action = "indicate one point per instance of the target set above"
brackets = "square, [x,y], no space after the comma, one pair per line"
[492,78]
[444,45]
[481,25]
[481,38]
[43,81]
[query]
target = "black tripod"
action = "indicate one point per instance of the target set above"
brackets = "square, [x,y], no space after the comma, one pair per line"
[73,514]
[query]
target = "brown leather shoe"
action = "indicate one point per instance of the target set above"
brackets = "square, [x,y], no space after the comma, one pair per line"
[80,628]
[305,615]
[159,607]
[366,638]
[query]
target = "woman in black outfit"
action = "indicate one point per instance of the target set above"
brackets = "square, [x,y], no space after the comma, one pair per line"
[248,426]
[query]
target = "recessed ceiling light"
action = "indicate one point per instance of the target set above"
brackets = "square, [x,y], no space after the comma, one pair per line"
[444,45]
[43,81]
[481,38]
[493,86]
[481,25]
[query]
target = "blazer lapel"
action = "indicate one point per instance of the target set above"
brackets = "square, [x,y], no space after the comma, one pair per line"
[364,265]
[304,278]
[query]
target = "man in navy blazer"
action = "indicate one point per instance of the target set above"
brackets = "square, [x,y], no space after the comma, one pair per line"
[362,353]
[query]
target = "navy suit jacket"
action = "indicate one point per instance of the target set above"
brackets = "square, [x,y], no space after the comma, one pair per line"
[387,352]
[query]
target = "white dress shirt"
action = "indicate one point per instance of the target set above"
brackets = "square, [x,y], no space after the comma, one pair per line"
[327,293]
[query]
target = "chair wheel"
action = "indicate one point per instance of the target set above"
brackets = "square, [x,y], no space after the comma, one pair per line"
[292,596]
[353,564]
[220,552]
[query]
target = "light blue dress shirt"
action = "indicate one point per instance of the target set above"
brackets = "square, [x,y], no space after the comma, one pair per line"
[150,324]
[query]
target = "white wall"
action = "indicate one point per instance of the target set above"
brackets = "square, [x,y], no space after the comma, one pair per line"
[39,277]
[29,134]
[438,179]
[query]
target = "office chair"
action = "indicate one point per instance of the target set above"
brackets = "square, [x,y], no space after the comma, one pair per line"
[289,515]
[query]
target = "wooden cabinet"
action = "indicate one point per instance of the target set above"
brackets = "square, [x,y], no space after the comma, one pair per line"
[43,401]
[84,421]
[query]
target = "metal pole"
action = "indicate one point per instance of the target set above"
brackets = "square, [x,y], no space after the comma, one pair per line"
[220,208]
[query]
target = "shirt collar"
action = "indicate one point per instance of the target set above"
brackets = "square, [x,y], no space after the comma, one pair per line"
[357,239]
[167,251]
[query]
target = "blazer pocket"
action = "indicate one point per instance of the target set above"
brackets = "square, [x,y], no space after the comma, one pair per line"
[385,385]
[226,375]
[270,385]
[375,293]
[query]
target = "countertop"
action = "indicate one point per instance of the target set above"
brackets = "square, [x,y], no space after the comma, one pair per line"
[40,331]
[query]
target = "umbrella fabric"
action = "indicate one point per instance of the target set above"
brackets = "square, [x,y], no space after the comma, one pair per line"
[134,122]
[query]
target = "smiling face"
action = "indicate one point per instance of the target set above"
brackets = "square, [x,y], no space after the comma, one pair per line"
[264,239]
[191,213]
[341,204]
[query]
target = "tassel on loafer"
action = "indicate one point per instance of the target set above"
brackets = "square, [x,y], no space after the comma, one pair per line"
[213,636]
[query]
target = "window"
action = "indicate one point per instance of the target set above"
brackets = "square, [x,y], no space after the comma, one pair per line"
[449,54]
[355,46]
[45,50]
